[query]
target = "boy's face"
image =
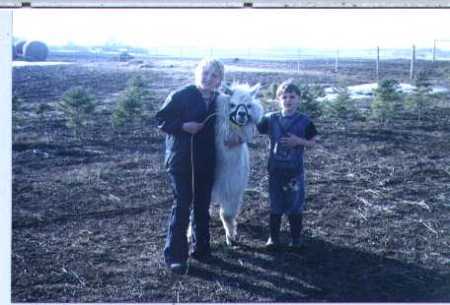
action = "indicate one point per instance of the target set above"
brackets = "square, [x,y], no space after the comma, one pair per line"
[289,102]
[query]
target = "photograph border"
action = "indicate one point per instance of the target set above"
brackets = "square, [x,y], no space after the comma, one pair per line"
[6,26]
[6,153]
[224,4]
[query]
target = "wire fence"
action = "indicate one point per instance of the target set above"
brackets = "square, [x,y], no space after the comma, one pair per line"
[432,53]
[334,59]
[377,61]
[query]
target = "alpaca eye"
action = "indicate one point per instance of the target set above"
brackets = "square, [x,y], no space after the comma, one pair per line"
[249,106]
[232,105]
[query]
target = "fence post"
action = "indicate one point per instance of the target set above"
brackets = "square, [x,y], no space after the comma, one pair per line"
[378,64]
[413,59]
[434,51]
[298,60]
[336,62]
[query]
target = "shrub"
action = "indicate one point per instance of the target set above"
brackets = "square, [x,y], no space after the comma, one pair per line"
[137,81]
[77,104]
[271,92]
[387,101]
[268,97]
[309,103]
[129,109]
[419,100]
[343,107]
[309,95]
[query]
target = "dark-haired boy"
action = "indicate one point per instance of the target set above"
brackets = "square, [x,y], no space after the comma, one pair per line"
[289,131]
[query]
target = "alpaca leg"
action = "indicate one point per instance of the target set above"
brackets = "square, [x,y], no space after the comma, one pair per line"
[229,224]
[189,232]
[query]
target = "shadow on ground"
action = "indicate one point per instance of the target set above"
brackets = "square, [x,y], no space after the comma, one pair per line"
[322,271]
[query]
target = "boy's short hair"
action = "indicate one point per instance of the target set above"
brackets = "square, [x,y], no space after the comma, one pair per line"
[208,63]
[289,87]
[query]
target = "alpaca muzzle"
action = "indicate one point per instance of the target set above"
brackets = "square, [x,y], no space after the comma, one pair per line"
[240,115]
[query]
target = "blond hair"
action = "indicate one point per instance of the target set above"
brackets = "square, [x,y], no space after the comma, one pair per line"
[206,64]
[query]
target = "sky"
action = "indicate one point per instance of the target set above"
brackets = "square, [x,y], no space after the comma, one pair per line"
[233,28]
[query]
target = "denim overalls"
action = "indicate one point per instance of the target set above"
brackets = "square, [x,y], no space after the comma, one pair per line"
[286,190]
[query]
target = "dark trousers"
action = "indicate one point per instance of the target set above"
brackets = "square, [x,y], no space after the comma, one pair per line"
[177,248]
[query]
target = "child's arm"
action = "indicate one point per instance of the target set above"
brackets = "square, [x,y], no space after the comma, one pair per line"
[263,125]
[168,116]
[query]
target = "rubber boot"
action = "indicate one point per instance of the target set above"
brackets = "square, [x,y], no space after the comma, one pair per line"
[296,226]
[273,242]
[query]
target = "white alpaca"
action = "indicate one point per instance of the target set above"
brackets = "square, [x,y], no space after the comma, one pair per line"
[237,114]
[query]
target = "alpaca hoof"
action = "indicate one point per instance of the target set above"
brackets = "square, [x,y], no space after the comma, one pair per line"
[230,241]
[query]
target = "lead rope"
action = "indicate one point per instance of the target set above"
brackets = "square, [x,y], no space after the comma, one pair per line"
[192,159]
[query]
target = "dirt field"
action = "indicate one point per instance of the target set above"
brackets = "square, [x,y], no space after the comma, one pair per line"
[89,221]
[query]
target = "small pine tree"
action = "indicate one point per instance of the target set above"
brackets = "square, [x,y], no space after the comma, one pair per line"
[343,107]
[309,103]
[271,92]
[77,104]
[137,81]
[418,101]
[387,100]
[129,109]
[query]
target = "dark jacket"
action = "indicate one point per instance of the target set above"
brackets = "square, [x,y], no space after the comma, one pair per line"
[186,105]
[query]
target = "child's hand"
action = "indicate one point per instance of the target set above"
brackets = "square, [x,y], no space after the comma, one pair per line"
[292,140]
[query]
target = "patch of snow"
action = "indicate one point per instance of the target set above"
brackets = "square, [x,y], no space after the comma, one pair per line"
[439,89]
[366,91]
[20,63]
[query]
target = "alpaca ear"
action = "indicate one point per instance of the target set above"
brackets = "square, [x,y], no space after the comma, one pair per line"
[227,90]
[254,90]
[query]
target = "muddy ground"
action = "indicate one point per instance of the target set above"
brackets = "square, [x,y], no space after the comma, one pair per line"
[89,219]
